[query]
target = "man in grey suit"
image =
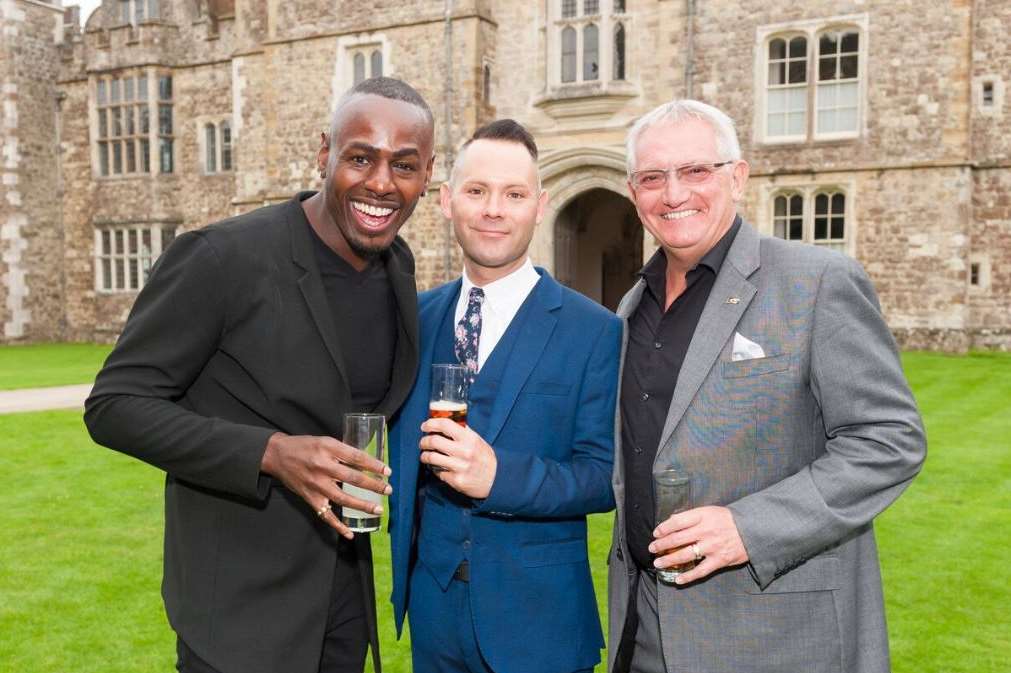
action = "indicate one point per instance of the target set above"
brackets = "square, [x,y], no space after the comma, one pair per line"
[763,369]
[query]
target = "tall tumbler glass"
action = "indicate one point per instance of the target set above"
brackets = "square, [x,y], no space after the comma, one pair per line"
[450,386]
[368,433]
[672,493]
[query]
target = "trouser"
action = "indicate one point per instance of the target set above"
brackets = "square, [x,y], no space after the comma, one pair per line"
[346,638]
[640,648]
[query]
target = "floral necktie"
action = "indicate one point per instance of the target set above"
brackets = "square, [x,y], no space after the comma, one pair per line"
[468,332]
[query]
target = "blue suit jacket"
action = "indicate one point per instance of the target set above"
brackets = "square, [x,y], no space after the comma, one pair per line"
[552,428]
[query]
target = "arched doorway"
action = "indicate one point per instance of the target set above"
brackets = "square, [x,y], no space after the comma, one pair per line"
[598,245]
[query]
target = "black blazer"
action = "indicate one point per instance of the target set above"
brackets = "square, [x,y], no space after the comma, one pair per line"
[230,340]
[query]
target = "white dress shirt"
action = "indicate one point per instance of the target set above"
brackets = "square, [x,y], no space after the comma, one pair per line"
[502,299]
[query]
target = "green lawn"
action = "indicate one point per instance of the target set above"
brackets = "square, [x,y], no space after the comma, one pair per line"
[40,365]
[81,541]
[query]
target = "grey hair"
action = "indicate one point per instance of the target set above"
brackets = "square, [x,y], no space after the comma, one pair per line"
[677,111]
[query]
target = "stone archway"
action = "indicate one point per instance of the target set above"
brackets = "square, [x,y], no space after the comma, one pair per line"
[591,238]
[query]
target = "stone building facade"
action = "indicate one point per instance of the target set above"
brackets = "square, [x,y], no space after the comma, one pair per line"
[880,128]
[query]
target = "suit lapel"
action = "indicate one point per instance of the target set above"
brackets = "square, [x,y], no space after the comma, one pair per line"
[626,307]
[311,286]
[730,297]
[537,326]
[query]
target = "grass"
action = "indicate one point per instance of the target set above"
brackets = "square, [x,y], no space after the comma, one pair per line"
[80,558]
[40,365]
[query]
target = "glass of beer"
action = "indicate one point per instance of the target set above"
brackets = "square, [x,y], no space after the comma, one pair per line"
[449,395]
[672,493]
[368,433]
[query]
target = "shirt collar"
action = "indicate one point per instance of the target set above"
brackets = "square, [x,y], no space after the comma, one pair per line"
[654,272]
[505,295]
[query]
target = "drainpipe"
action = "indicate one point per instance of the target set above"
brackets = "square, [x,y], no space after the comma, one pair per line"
[689,46]
[447,128]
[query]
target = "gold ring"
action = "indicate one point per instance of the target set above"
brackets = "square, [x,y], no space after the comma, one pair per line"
[696,551]
[321,512]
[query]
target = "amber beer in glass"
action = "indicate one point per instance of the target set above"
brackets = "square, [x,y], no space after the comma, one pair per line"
[450,384]
[672,493]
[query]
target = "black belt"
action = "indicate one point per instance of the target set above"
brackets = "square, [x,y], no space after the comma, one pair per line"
[462,572]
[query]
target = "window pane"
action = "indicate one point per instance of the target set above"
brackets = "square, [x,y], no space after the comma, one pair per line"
[106,274]
[152,8]
[117,121]
[798,71]
[145,156]
[131,241]
[826,68]
[359,67]
[780,206]
[103,158]
[377,63]
[124,11]
[106,243]
[128,89]
[798,47]
[103,124]
[166,155]
[167,234]
[821,205]
[820,228]
[619,52]
[846,119]
[145,241]
[226,146]
[569,54]
[134,273]
[117,158]
[848,67]
[828,44]
[619,6]
[591,6]
[142,87]
[145,119]
[827,121]
[120,273]
[165,87]
[140,10]
[100,92]
[796,229]
[128,118]
[838,230]
[117,242]
[486,83]
[777,125]
[777,73]
[777,49]
[114,91]
[777,101]
[131,157]
[590,64]
[568,8]
[165,120]
[850,42]
[838,204]
[779,229]
[210,145]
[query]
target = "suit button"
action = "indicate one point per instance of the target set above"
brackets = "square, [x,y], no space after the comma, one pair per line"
[657,345]
[466,544]
[644,396]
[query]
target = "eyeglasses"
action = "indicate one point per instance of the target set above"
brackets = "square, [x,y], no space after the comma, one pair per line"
[689,174]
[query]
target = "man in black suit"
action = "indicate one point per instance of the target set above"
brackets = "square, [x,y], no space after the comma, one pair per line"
[249,342]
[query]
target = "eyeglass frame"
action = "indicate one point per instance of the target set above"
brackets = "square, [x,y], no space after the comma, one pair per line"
[712,167]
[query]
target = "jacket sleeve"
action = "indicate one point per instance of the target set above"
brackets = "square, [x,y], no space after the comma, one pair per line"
[875,440]
[139,402]
[532,486]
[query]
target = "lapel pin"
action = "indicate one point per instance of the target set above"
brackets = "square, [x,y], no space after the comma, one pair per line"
[733,300]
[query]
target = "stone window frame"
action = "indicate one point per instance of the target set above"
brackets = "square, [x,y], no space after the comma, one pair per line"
[365,44]
[809,192]
[125,252]
[981,262]
[145,146]
[998,92]
[608,16]
[223,153]
[812,30]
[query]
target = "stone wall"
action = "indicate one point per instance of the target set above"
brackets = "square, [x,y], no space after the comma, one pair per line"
[31,241]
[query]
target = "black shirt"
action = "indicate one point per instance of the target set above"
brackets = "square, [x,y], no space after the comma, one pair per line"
[657,343]
[364,311]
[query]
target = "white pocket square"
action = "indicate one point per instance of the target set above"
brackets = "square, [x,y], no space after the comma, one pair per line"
[745,349]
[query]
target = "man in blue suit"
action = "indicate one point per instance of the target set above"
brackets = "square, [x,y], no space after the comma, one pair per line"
[489,552]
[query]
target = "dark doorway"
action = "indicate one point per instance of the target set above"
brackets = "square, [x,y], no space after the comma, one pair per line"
[598,246]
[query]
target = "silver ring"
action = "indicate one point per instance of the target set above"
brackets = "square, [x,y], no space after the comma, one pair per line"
[321,512]
[696,551]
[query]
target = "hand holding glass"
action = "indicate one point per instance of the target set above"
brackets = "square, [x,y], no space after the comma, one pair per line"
[450,385]
[368,433]
[672,493]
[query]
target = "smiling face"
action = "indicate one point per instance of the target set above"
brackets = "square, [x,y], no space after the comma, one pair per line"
[687,220]
[377,165]
[495,202]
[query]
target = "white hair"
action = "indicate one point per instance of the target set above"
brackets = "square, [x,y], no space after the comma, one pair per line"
[677,111]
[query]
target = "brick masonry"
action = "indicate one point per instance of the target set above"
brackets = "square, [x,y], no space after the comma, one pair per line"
[927,178]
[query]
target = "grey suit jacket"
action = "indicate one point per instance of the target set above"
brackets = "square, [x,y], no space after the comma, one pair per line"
[805,446]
